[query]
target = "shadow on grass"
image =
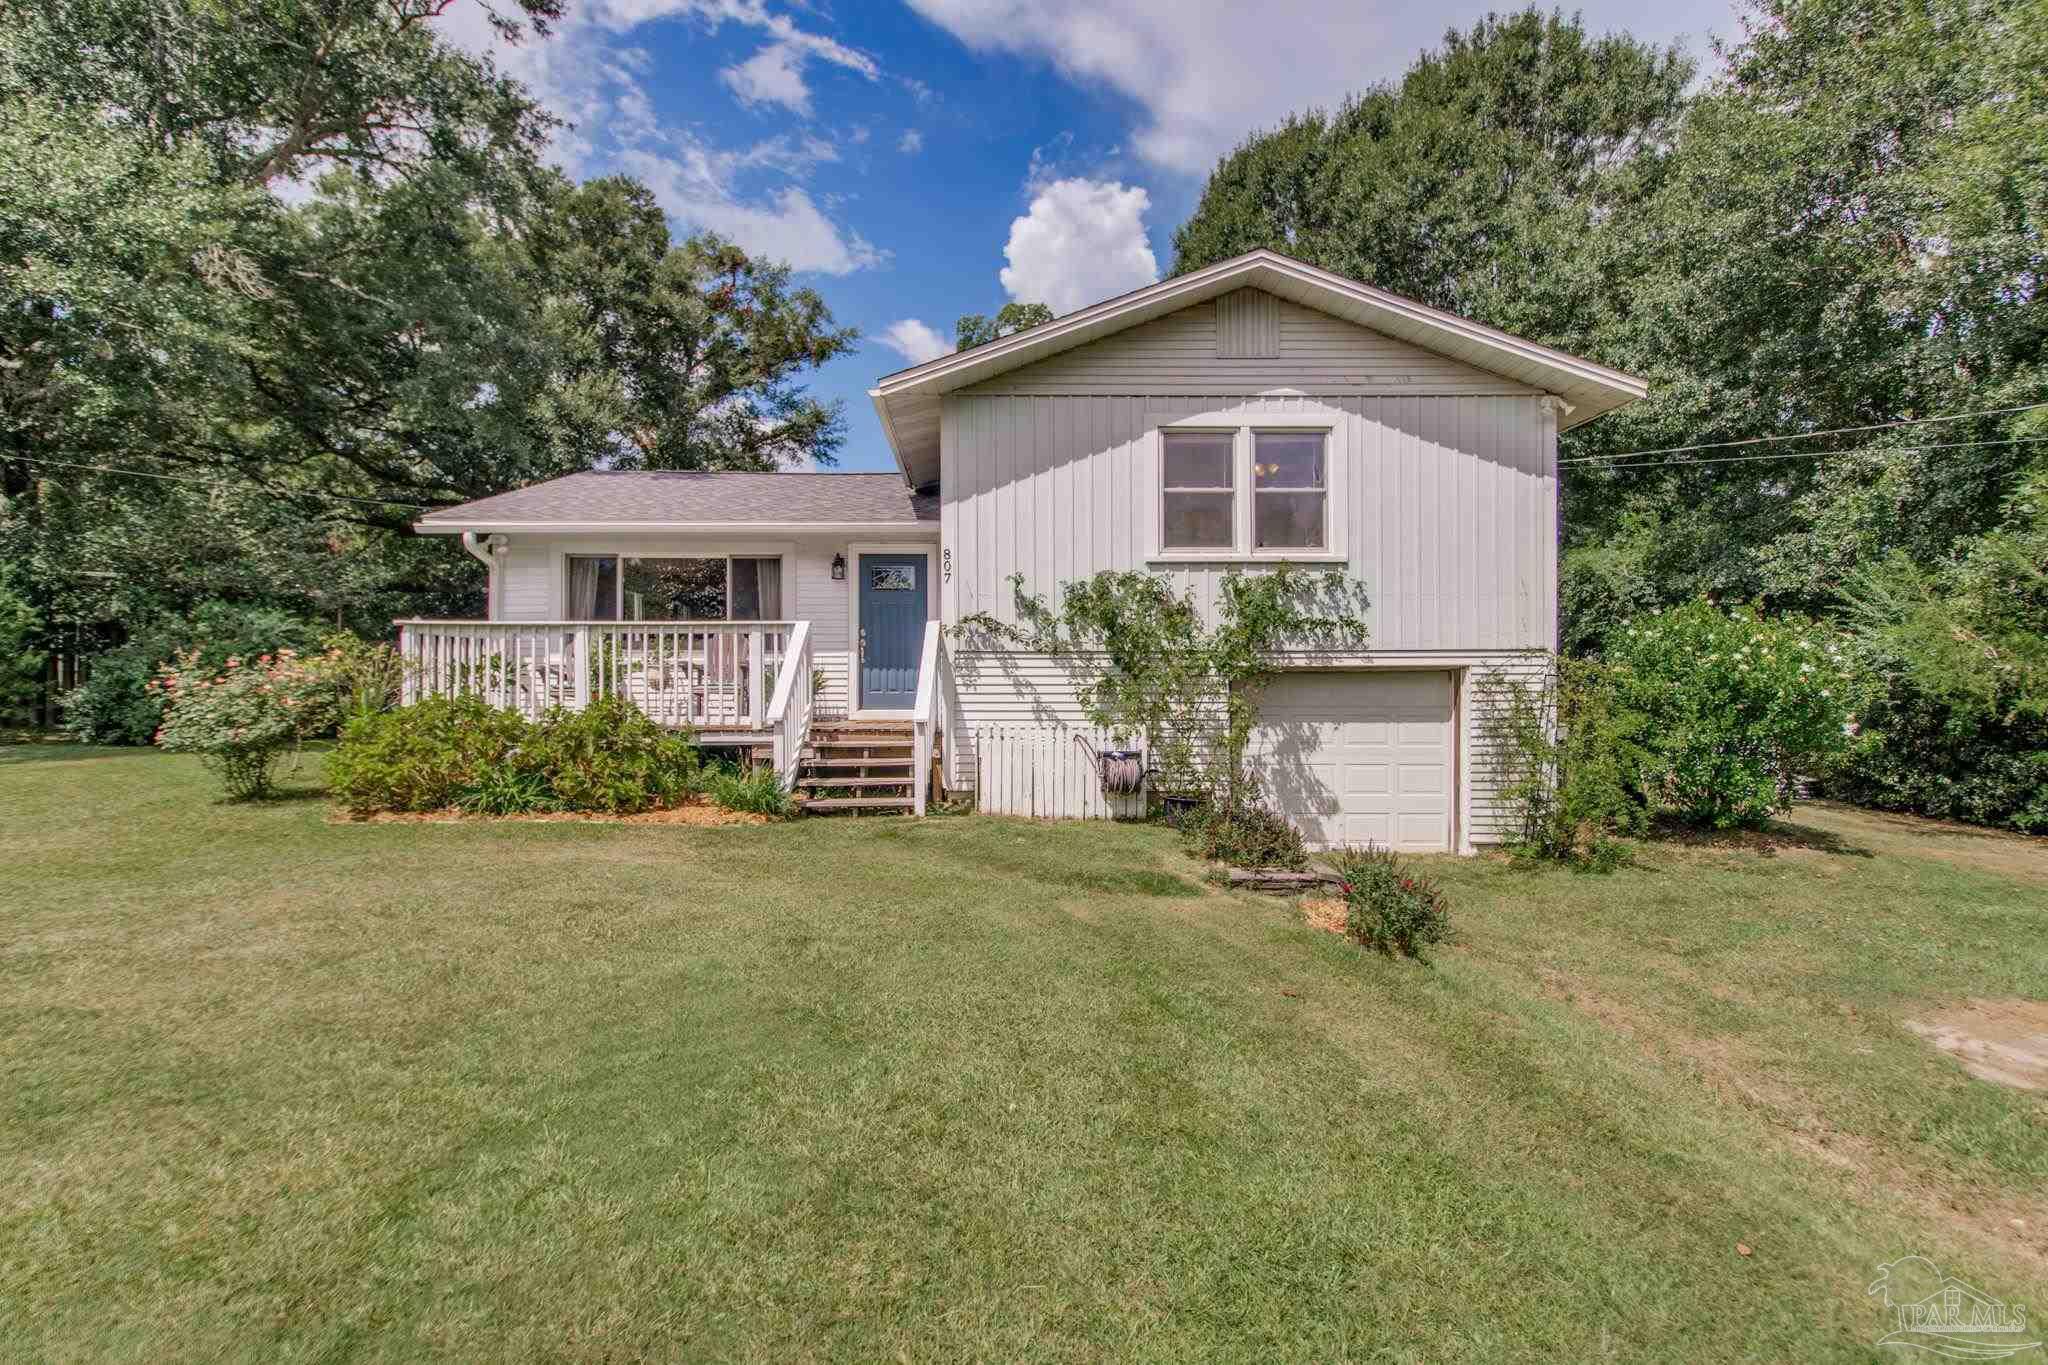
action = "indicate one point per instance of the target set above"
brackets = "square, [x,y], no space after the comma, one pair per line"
[64,751]
[1775,837]
[1104,880]
[282,795]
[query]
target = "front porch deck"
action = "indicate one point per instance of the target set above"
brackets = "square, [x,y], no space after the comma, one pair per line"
[745,684]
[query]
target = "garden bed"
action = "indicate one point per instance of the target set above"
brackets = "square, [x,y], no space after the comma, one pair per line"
[691,813]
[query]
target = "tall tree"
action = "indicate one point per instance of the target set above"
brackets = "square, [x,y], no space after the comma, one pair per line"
[303,257]
[1847,235]
[978,329]
[1476,183]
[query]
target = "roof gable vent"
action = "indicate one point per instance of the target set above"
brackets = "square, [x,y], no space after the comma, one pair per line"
[1248,325]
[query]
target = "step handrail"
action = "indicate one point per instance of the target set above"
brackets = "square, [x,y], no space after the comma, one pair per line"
[789,710]
[928,720]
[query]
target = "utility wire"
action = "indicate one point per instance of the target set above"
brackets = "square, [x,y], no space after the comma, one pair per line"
[1814,454]
[1808,435]
[218,483]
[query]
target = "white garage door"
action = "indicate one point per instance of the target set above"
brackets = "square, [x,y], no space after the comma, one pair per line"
[1357,757]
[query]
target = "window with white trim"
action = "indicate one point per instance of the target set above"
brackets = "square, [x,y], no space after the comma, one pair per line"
[696,588]
[1290,490]
[1198,505]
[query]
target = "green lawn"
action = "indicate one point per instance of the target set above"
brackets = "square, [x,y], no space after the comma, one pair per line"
[282,1088]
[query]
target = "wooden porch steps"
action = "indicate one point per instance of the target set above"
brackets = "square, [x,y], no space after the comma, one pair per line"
[870,759]
[860,803]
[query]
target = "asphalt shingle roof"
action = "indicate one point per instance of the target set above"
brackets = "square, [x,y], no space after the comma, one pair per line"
[686,497]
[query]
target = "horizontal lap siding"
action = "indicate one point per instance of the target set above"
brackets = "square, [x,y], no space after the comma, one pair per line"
[1492,820]
[1179,352]
[530,588]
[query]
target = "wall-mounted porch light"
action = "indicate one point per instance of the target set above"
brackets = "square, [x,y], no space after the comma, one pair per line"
[838,568]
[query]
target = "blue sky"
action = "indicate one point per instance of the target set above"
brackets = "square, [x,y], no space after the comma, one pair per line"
[919,160]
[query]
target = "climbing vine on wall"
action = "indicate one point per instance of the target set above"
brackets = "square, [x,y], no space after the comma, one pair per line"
[1151,668]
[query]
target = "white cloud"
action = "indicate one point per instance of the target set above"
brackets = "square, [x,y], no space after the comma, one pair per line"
[911,143]
[788,225]
[589,75]
[914,341]
[1082,241]
[1209,72]
[774,75]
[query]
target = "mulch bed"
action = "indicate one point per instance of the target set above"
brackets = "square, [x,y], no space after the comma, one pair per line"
[694,813]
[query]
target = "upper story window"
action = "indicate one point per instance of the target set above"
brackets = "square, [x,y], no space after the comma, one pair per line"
[1243,492]
[1290,491]
[1199,502]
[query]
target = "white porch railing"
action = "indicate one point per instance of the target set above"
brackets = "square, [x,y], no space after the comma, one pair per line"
[709,675]
[789,710]
[932,715]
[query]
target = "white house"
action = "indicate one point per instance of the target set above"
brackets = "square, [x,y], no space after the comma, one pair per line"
[1255,412]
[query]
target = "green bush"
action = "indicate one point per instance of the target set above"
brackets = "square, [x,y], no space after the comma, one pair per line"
[1388,906]
[421,757]
[450,751]
[115,706]
[1567,759]
[242,719]
[367,676]
[1733,707]
[21,656]
[501,789]
[1945,758]
[608,757]
[757,790]
[1247,836]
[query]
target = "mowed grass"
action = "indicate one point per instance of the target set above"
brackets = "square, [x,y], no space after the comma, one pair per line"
[281,1088]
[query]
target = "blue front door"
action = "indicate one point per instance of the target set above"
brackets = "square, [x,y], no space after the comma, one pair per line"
[892,615]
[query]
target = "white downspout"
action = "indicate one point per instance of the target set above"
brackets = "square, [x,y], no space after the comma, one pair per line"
[485,548]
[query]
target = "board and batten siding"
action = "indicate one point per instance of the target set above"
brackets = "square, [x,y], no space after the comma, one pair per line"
[1449,505]
[532,588]
[1447,498]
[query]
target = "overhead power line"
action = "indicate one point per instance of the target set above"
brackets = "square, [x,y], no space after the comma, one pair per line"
[1806,435]
[220,483]
[1864,453]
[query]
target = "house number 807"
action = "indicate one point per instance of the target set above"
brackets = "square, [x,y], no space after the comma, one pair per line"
[946,565]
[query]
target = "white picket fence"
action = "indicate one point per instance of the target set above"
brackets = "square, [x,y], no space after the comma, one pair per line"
[1039,770]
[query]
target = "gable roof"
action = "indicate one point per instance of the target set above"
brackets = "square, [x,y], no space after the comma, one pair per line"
[908,401]
[682,500]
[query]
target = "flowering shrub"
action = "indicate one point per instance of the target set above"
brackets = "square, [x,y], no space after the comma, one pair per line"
[1388,906]
[243,717]
[1733,705]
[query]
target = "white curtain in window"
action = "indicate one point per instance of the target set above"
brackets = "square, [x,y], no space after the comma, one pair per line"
[583,588]
[771,589]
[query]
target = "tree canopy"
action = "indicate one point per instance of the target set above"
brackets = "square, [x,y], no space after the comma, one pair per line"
[978,329]
[1841,228]
[301,271]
